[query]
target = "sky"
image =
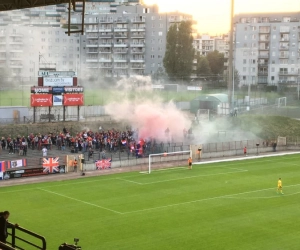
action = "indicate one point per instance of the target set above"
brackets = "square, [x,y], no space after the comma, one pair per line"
[213,16]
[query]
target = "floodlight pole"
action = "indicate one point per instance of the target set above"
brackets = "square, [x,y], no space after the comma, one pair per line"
[230,58]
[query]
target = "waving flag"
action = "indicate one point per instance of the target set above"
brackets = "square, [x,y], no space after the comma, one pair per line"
[103,164]
[51,165]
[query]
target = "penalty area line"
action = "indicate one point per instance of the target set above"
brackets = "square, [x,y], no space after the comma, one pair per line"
[204,199]
[85,202]
[164,169]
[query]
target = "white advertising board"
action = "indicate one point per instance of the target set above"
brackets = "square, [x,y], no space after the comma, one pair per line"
[57,81]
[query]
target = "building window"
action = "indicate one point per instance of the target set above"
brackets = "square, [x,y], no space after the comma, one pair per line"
[161,25]
[244,69]
[153,33]
[152,56]
[153,18]
[244,77]
[160,33]
[152,65]
[244,60]
[245,37]
[272,78]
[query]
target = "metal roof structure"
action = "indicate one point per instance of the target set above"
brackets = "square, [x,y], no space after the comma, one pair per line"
[23,4]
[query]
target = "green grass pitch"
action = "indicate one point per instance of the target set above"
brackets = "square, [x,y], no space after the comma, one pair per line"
[217,206]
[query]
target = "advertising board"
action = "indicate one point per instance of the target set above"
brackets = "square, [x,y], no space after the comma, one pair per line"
[41,100]
[73,100]
[57,81]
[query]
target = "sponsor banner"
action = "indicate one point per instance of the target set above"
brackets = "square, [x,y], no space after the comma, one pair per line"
[74,89]
[58,90]
[41,100]
[16,163]
[57,81]
[73,100]
[15,173]
[103,164]
[57,100]
[41,90]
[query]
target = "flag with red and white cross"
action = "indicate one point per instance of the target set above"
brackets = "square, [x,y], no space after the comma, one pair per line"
[51,165]
[103,164]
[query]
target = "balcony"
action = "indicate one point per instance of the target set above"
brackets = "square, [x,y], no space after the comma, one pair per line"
[137,45]
[263,56]
[263,64]
[104,45]
[92,51]
[121,51]
[16,51]
[284,47]
[137,35]
[121,20]
[121,35]
[16,65]
[264,48]
[284,39]
[262,73]
[137,60]
[91,60]
[120,60]
[16,59]
[92,45]
[120,45]
[287,30]
[95,21]
[105,51]
[105,29]
[105,66]
[264,31]
[92,36]
[285,56]
[105,59]
[105,20]
[138,20]
[108,35]
[137,51]
[16,35]
[91,30]
[16,42]
[138,29]
[121,66]
[116,29]
[92,66]
[137,66]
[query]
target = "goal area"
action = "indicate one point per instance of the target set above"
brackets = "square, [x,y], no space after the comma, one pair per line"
[163,161]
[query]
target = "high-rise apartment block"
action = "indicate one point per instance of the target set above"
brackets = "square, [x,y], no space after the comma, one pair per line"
[121,38]
[267,48]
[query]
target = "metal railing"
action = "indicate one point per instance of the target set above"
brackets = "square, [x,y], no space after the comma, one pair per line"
[21,240]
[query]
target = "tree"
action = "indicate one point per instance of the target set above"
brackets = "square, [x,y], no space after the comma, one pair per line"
[202,66]
[179,56]
[216,62]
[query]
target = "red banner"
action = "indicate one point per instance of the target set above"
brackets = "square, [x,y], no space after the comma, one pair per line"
[41,100]
[73,100]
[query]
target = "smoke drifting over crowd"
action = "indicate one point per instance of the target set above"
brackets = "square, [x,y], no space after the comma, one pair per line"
[152,118]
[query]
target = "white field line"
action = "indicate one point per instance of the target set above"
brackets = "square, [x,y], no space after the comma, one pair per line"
[189,177]
[164,169]
[85,202]
[135,182]
[205,199]
[269,197]
[247,158]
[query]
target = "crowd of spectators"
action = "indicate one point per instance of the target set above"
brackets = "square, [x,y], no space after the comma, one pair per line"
[84,141]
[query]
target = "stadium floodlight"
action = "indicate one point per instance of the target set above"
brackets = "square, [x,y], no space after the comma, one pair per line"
[167,157]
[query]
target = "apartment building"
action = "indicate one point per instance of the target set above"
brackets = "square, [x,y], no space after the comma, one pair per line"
[267,48]
[130,42]
[121,38]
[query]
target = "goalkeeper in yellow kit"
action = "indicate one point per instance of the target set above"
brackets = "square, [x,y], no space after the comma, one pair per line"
[279,186]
